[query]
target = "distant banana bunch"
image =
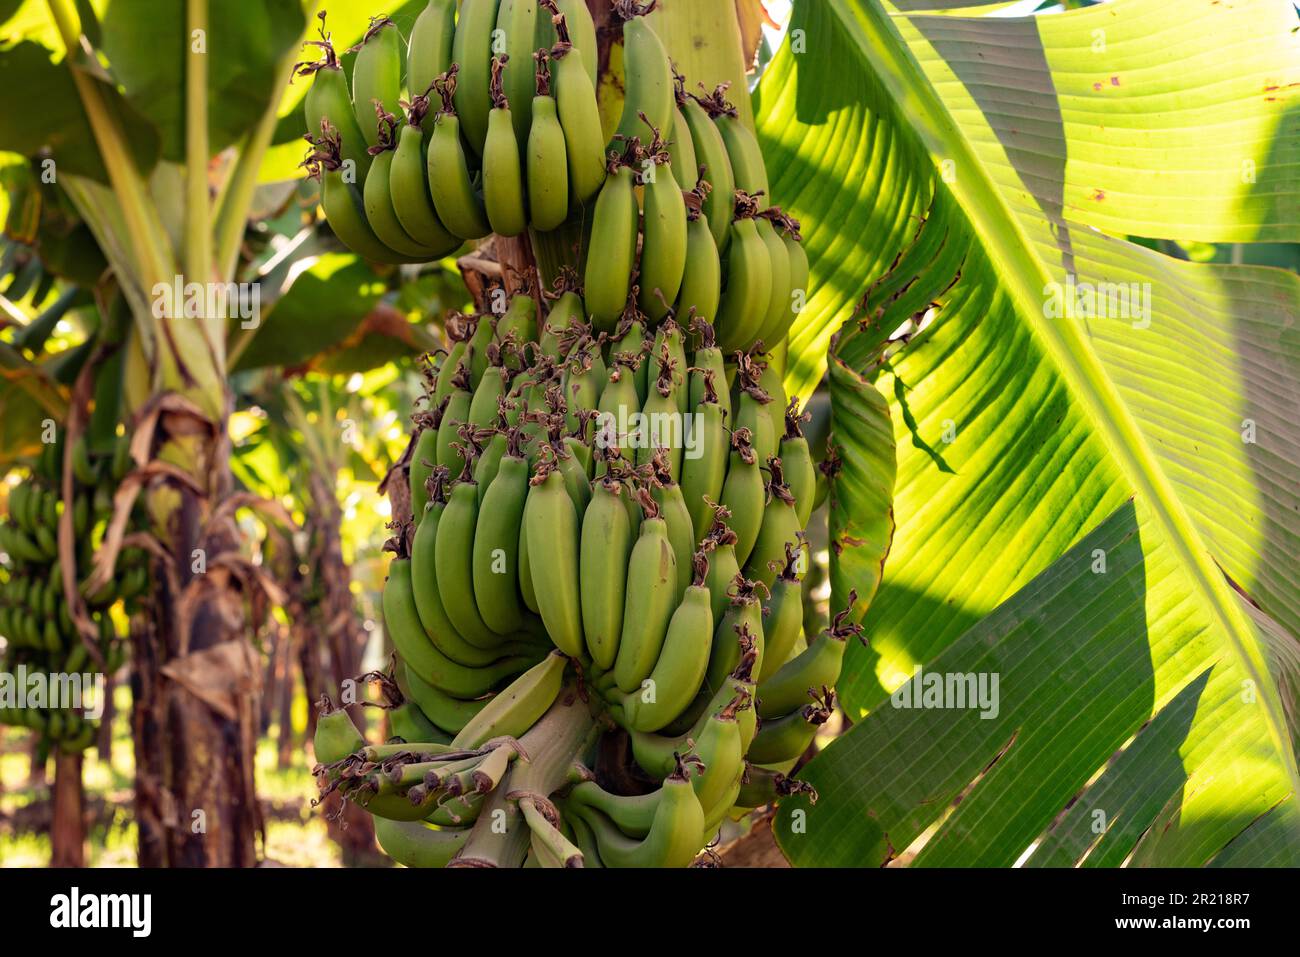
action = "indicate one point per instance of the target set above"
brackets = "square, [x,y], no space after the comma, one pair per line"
[609,521]
[41,641]
[496,129]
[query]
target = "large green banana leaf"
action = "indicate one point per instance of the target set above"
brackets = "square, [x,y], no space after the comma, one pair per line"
[1098,506]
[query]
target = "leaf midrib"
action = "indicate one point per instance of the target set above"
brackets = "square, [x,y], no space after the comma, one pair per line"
[1025,275]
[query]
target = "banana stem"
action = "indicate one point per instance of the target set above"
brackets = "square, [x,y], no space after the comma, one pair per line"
[549,749]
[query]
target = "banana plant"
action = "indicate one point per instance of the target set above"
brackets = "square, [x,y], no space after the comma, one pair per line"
[1083,651]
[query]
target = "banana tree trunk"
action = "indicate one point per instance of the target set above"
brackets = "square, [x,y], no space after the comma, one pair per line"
[68,813]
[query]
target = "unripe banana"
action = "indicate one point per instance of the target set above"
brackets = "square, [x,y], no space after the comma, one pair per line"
[780,529]
[800,472]
[649,601]
[682,663]
[799,276]
[408,181]
[686,169]
[496,543]
[669,358]
[428,52]
[779,304]
[377,75]
[553,547]
[336,737]
[746,158]
[457,204]
[605,549]
[408,722]
[377,198]
[633,814]
[575,98]
[516,38]
[547,158]
[681,529]
[416,844]
[816,667]
[582,31]
[703,474]
[663,246]
[343,205]
[328,99]
[647,78]
[715,169]
[674,837]
[753,405]
[472,50]
[566,313]
[719,748]
[783,621]
[503,177]
[454,553]
[612,250]
[448,713]
[454,415]
[519,705]
[785,738]
[403,622]
[701,288]
[748,293]
[743,494]
[740,627]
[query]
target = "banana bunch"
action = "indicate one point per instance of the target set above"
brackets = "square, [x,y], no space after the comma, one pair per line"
[486,121]
[39,634]
[612,517]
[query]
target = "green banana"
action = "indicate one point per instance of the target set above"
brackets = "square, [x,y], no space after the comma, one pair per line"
[649,599]
[428,52]
[613,242]
[448,713]
[424,459]
[408,722]
[547,157]
[743,494]
[719,748]
[503,177]
[787,737]
[603,558]
[517,30]
[669,349]
[422,656]
[633,814]
[816,667]
[328,99]
[701,287]
[495,569]
[705,470]
[377,75]
[740,627]
[779,529]
[455,416]
[682,150]
[784,614]
[647,76]
[774,322]
[575,98]
[377,198]
[582,31]
[518,706]
[567,312]
[715,168]
[679,671]
[472,51]
[681,528]
[662,420]
[520,317]
[800,471]
[553,546]
[674,836]
[748,293]
[799,273]
[336,736]
[408,181]
[457,204]
[746,158]
[754,406]
[416,844]
[454,554]
[343,204]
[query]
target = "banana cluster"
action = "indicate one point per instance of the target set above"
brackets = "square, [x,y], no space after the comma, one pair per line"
[495,128]
[40,637]
[619,514]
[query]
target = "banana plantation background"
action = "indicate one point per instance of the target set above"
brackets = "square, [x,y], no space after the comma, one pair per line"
[1100,507]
